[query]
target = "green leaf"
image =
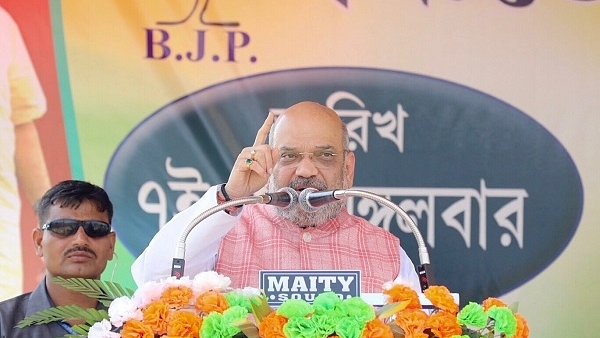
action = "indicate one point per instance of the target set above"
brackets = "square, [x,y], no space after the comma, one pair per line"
[260,307]
[397,330]
[248,328]
[82,329]
[103,291]
[391,309]
[64,313]
[471,333]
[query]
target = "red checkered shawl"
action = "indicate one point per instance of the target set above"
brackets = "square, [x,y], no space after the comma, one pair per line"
[264,241]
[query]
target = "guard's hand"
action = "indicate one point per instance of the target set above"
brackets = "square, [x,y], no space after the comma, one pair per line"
[254,164]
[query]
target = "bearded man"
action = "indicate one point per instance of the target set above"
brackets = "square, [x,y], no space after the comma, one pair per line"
[307,148]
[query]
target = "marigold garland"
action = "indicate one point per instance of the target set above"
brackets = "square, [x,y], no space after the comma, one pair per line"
[207,307]
[328,316]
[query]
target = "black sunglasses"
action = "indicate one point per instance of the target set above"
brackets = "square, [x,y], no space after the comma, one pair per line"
[68,227]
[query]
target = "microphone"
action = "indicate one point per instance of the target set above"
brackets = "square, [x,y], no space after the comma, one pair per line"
[285,198]
[311,199]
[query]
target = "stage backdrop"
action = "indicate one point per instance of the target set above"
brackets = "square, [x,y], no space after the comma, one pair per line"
[479,119]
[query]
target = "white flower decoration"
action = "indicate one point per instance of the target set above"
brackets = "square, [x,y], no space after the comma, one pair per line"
[209,280]
[123,309]
[102,330]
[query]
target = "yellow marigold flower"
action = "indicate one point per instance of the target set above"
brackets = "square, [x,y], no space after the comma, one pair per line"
[441,298]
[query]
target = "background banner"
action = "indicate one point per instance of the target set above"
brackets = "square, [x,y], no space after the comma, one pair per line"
[479,119]
[33,21]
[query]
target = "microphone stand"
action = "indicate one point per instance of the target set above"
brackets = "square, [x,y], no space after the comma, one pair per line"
[424,269]
[179,259]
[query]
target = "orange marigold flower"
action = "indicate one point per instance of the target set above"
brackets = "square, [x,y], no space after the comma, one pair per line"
[416,335]
[522,327]
[156,315]
[177,296]
[400,293]
[444,325]
[211,301]
[412,321]
[488,303]
[184,323]
[271,326]
[377,329]
[136,329]
[441,298]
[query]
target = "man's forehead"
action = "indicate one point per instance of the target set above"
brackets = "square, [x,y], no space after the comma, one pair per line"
[86,207]
[307,135]
[306,148]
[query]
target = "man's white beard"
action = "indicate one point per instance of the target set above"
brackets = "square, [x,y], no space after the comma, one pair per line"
[305,219]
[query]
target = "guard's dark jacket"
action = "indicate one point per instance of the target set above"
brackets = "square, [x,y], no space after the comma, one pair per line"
[13,310]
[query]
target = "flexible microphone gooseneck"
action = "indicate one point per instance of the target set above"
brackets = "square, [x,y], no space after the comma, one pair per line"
[285,198]
[311,200]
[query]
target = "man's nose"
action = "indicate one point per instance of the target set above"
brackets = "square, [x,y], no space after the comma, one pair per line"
[306,167]
[80,236]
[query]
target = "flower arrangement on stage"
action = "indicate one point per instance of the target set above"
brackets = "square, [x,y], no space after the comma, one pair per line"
[207,307]
[492,318]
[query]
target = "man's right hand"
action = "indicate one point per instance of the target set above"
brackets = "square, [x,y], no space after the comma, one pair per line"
[254,165]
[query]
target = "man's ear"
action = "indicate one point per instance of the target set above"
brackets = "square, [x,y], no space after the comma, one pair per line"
[113,240]
[37,235]
[350,165]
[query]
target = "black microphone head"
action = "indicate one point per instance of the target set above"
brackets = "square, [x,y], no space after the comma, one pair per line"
[304,200]
[293,195]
